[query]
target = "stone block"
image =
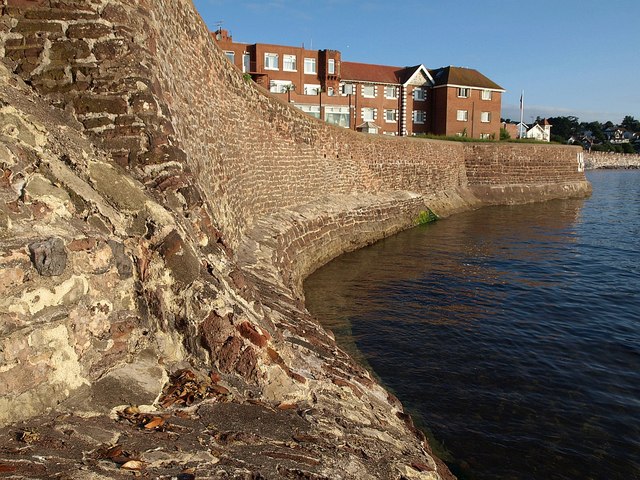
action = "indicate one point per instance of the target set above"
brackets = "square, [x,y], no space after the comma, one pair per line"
[65,52]
[123,262]
[88,30]
[103,104]
[179,258]
[35,26]
[49,257]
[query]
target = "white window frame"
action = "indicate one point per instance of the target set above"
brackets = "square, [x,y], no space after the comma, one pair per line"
[419,117]
[485,117]
[311,89]
[331,66]
[246,62]
[289,63]
[366,88]
[464,92]
[330,91]
[390,115]
[485,136]
[279,86]
[391,92]
[419,94]
[462,115]
[313,110]
[347,89]
[269,60]
[310,66]
[337,115]
[231,56]
[368,112]
[486,95]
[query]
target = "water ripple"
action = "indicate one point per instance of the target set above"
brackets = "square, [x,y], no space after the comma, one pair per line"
[513,333]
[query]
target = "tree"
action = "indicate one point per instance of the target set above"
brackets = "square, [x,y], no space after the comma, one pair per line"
[631,124]
[289,88]
[564,127]
[596,130]
[504,134]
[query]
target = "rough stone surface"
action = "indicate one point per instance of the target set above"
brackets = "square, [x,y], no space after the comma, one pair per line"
[49,256]
[190,205]
[597,160]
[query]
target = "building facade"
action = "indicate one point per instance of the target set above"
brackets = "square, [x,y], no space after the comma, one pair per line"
[465,103]
[378,99]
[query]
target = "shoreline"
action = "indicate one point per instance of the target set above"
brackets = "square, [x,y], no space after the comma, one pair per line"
[608,160]
[159,215]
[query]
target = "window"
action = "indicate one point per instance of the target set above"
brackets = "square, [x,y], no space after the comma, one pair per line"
[346,89]
[313,110]
[390,92]
[337,116]
[486,95]
[419,94]
[289,63]
[330,91]
[331,66]
[463,92]
[231,56]
[485,136]
[368,114]
[279,86]
[485,117]
[368,91]
[310,66]
[246,62]
[462,115]
[390,116]
[419,116]
[311,89]
[271,61]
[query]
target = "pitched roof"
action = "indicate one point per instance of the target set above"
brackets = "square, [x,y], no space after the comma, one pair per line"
[374,73]
[465,77]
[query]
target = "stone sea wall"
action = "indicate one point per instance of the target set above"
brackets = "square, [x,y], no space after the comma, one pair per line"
[596,160]
[158,214]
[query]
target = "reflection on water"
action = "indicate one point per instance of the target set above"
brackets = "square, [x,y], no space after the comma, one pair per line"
[512,332]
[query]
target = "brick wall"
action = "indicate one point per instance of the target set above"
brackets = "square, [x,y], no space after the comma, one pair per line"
[221,164]
[147,80]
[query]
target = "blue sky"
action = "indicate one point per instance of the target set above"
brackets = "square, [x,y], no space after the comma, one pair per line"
[571,57]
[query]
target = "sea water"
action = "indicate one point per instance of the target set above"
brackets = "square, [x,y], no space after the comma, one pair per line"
[512,334]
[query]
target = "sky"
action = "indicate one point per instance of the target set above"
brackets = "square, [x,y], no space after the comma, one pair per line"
[570,57]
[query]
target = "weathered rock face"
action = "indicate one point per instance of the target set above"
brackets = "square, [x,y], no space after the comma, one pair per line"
[158,212]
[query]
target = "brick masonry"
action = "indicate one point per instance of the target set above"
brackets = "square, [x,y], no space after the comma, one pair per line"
[165,116]
[190,204]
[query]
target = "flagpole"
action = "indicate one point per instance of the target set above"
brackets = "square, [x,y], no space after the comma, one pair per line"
[521,114]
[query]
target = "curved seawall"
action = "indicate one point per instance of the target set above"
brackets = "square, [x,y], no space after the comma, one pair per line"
[159,214]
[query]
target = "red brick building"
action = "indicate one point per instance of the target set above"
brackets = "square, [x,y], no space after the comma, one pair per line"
[465,102]
[372,98]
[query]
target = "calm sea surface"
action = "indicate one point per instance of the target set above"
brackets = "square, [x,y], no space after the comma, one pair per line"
[511,333]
